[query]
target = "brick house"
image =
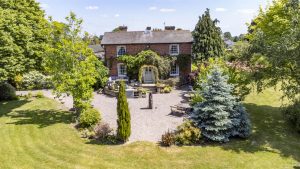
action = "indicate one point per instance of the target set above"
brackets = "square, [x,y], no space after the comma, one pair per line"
[168,42]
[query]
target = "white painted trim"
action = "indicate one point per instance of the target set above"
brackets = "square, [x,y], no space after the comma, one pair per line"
[118,48]
[119,72]
[170,47]
[177,70]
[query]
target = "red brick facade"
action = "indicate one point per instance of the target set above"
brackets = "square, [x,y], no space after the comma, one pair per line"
[133,49]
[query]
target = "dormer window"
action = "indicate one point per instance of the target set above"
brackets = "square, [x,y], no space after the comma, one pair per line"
[121,50]
[174,49]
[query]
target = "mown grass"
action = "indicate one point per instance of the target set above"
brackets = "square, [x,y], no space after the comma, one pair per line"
[39,134]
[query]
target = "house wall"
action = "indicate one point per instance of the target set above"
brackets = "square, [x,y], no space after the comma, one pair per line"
[133,49]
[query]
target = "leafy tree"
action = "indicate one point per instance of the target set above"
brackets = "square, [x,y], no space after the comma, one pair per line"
[275,47]
[23,36]
[72,63]
[124,125]
[238,51]
[92,39]
[227,35]
[219,116]
[207,38]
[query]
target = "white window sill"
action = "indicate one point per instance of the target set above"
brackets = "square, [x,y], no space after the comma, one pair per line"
[174,54]
[174,75]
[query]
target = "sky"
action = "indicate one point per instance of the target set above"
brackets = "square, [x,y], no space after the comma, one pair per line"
[104,15]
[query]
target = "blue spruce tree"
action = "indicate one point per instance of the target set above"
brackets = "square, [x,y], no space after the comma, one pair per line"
[220,115]
[212,115]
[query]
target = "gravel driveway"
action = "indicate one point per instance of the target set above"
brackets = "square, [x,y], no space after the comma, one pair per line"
[146,125]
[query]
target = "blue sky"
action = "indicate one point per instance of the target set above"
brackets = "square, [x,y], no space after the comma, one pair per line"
[104,15]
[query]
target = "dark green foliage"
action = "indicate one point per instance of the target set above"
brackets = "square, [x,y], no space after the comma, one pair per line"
[23,35]
[220,116]
[241,126]
[124,125]
[207,38]
[148,57]
[102,75]
[89,117]
[292,114]
[7,92]
[168,139]
[187,134]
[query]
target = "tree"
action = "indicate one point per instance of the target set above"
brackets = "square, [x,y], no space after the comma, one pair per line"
[275,47]
[23,35]
[227,35]
[72,63]
[220,115]
[207,38]
[124,125]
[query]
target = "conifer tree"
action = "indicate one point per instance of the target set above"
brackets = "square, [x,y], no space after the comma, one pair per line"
[207,38]
[212,115]
[220,115]
[124,125]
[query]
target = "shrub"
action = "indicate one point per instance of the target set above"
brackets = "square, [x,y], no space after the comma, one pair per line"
[86,133]
[168,139]
[18,81]
[170,82]
[187,134]
[124,125]
[40,94]
[89,117]
[292,114]
[102,131]
[7,92]
[196,99]
[29,95]
[35,80]
[167,89]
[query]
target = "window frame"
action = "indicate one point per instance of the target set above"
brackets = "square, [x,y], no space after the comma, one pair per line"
[118,48]
[119,70]
[170,49]
[172,74]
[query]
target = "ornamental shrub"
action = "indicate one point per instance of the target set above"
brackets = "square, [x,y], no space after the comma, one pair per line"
[168,139]
[35,80]
[187,134]
[102,131]
[40,94]
[7,92]
[124,124]
[89,117]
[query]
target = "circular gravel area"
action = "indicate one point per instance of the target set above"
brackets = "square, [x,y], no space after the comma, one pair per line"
[146,124]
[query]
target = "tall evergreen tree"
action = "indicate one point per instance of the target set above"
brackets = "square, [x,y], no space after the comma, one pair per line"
[220,115]
[23,34]
[124,125]
[207,38]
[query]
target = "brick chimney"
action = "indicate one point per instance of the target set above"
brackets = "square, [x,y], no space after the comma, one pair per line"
[123,28]
[169,28]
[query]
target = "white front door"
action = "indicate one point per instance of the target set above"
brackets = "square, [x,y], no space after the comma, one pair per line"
[148,75]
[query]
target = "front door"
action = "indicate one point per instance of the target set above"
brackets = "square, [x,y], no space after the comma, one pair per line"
[148,75]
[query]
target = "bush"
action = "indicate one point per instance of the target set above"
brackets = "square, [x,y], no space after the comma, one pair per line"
[35,80]
[167,89]
[168,139]
[187,134]
[29,95]
[102,131]
[171,82]
[40,94]
[292,114]
[7,92]
[124,118]
[89,117]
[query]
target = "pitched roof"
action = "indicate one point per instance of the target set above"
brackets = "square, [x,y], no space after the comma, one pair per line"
[142,37]
[96,48]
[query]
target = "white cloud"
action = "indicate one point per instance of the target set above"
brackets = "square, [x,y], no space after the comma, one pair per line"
[92,8]
[246,11]
[221,9]
[152,8]
[167,10]
[117,15]
[44,6]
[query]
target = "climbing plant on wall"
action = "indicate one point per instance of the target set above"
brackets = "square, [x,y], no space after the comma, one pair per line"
[154,69]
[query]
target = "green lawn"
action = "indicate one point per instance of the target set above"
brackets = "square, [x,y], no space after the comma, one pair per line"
[39,134]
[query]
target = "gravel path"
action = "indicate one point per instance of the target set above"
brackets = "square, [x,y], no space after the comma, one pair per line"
[146,125]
